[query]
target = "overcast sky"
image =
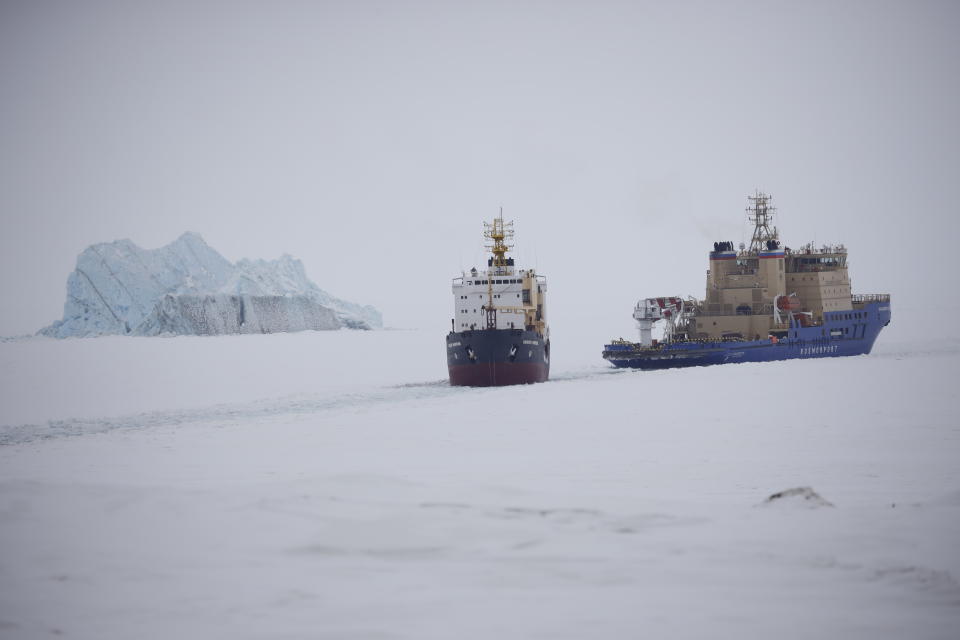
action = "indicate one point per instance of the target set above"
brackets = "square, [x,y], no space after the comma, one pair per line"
[371,139]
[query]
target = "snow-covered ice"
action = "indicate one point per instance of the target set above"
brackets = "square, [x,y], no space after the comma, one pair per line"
[331,485]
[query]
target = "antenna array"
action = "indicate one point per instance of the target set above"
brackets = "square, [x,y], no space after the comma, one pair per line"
[498,231]
[761,214]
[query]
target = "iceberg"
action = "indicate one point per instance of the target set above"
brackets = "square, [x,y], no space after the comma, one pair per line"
[210,315]
[187,287]
[286,276]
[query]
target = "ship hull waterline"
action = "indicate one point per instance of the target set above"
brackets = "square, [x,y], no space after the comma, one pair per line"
[809,342]
[497,357]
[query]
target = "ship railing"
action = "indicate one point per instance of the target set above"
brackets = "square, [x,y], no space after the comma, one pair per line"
[751,285]
[864,298]
[815,268]
[811,249]
[715,309]
[662,344]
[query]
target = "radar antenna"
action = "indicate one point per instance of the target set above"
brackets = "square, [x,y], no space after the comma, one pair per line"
[761,214]
[498,231]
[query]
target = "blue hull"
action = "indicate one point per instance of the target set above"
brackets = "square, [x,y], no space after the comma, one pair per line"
[842,334]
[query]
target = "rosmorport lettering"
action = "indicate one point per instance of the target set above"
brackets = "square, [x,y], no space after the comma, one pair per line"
[809,351]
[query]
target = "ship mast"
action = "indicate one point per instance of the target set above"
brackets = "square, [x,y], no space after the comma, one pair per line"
[498,231]
[761,214]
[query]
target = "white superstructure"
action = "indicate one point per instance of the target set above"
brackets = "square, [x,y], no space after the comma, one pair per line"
[501,296]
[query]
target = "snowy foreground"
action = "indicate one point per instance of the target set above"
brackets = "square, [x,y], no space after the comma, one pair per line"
[331,485]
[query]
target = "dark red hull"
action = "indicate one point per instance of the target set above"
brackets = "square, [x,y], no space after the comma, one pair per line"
[496,357]
[495,374]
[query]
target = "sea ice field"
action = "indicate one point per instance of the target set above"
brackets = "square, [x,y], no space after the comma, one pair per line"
[332,485]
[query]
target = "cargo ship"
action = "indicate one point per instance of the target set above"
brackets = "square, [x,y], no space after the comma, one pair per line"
[499,335]
[763,302]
